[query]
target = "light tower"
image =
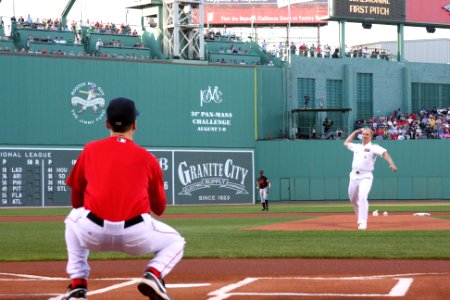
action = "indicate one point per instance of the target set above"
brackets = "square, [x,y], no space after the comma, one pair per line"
[183,28]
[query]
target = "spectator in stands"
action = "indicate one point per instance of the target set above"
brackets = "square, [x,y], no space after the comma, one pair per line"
[348,51]
[319,51]
[29,19]
[335,53]
[293,48]
[327,124]
[327,51]
[374,53]
[313,134]
[302,49]
[2,23]
[339,133]
[20,20]
[264,46]
[98,44]
[312,50]
[365,52]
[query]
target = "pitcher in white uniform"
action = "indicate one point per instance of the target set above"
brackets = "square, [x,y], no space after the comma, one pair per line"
[361,177]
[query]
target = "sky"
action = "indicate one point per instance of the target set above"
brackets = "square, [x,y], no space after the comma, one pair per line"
[114,11]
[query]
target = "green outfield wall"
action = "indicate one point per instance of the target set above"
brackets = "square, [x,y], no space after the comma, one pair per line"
[49,101]
[235,118]
[319,170]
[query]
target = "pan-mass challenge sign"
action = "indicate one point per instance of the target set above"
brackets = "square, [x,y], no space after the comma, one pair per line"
[389,10]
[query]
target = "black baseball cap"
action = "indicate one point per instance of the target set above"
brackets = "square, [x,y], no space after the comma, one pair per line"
[121,112]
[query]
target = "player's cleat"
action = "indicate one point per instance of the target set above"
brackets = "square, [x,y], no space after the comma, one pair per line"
[153,287]
[362,226]
[78,293]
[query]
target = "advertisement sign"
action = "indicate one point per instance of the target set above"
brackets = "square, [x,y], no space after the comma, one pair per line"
[37,176]
[381,10]
[430,12]
[265,12]
[214,177]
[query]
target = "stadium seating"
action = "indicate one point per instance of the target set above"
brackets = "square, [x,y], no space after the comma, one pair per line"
[125,52]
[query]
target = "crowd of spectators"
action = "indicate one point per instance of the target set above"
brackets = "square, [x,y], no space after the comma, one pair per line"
[39,44]
[109,28]
[425,124]
[326,51]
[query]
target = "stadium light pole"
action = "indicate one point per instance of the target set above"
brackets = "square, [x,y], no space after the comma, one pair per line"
[288,46]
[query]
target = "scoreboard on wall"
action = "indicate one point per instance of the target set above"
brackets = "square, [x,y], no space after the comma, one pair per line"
[387,10]
[33,177]
[408,12]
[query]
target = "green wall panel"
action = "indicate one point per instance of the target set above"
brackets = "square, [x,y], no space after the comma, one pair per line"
[301,189]
[343,185]
[390,188]
[285,187]
[377,189]
[405,188]
[434,188]
[446,189]
[180,105]
[331,189]
[420,188]
[317,189]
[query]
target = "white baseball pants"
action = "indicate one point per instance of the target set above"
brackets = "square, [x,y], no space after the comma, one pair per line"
[149,236]
[358,193]
[263,194]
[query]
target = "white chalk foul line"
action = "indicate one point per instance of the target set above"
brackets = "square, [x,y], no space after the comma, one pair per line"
[400,289]
[128,281]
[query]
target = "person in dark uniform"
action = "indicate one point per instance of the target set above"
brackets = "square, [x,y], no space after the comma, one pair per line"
[263,189]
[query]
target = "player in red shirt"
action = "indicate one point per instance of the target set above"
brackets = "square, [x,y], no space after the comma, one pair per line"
[116,184]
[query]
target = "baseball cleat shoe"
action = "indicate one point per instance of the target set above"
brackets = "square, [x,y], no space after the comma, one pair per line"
[79,293]
[153,288]
[362,226]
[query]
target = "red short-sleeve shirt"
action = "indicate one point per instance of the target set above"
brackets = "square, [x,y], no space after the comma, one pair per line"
[117,180]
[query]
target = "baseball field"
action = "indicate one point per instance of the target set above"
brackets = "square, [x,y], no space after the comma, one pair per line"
[294,251]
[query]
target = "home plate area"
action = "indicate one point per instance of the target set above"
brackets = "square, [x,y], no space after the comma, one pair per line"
[244,279]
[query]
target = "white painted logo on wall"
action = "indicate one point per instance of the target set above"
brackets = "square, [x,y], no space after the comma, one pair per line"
[88,103]
[211,121]
[206,96]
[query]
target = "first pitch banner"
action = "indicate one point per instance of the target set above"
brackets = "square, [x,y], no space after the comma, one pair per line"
[386,10]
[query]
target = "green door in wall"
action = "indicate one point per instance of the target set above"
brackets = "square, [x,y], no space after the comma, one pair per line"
[285,189]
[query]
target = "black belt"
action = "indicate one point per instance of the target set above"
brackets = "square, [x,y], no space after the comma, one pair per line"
[128,223]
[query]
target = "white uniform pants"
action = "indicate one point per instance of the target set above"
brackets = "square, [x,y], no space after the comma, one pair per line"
[358,192]
[150,236]
[263,194]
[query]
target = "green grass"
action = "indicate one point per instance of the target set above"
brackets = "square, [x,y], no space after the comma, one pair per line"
[341,206]
[225,238]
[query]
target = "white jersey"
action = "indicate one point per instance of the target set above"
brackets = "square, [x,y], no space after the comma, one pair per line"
[364,156]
